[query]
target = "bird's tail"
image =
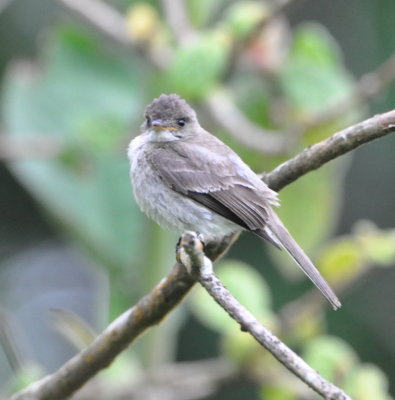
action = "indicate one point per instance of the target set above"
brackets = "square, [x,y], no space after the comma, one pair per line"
[279,234]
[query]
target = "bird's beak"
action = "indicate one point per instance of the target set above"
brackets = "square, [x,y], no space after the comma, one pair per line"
[158,124]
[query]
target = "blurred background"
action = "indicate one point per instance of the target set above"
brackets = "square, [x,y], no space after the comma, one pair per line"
[75,251]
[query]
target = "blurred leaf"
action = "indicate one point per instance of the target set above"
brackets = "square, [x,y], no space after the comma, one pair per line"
[278,392]
[239,346]
[252,96]
[330,356]
[341,261]
[197,67]
[26,376]
[381,249]
[378,245]
[142,21]
[305,325]
[87,99]
[245,284]
[242,17]
[201,11]
[314,77]
[367,382]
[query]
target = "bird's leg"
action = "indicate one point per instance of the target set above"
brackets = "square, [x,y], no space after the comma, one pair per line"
[180,252]
[199,236]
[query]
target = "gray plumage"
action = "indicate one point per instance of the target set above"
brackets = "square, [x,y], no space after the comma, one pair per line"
[186,179]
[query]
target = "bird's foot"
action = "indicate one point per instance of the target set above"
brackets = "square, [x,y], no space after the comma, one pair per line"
[188,238]
[199,236]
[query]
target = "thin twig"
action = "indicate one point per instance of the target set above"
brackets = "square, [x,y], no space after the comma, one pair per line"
[8,343]
[193,257]
[151,309]
[227,115]
[340,143]
[112,24]
[177,17]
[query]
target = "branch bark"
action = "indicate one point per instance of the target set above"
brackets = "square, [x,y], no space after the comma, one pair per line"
[336,145]
[152,308]
[192,256]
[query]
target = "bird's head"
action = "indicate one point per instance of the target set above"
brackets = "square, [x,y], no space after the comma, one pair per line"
[169,118]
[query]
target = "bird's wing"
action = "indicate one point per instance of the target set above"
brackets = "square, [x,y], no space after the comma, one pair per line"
[213,180]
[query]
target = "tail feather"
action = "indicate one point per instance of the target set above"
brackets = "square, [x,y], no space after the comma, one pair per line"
[276,228]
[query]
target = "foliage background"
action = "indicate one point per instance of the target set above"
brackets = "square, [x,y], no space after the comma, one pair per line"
[72,238]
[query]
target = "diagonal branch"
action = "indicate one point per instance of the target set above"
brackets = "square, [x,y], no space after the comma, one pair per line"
[336,145]
[152,308]
[192,256]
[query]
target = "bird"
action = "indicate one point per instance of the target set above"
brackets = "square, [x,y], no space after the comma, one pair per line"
[185,178]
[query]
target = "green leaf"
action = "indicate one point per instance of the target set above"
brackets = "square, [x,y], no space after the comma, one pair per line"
[83,98]
[341,261]
[245,284]
[278,392]
[330,356]
[196,68]
[26,376]
[367,382]
[242,17]
[201,11]
[378,245]
[315,78]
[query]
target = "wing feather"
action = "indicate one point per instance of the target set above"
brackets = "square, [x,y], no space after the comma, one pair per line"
[214,182]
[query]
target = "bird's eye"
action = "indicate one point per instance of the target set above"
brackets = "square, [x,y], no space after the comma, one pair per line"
[181,122]
[148,121]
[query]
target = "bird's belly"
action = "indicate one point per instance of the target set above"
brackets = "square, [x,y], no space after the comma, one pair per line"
[172,210]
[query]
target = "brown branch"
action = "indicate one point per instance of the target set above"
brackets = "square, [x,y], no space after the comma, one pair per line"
[192,256]
[151,309]
[338,144]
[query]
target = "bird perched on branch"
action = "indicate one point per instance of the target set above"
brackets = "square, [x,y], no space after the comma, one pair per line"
[184,178]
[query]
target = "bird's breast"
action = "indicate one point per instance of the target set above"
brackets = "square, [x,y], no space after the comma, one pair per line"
[168,208]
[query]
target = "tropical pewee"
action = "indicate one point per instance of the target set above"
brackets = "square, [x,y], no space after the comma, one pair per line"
[184,178]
